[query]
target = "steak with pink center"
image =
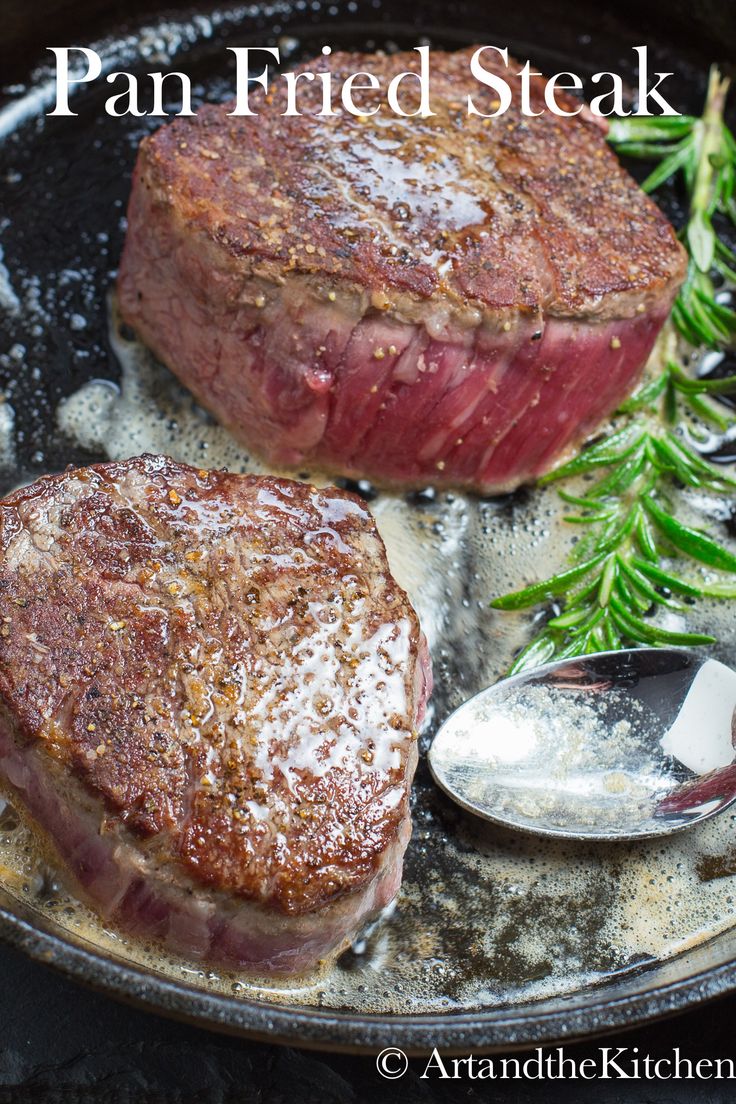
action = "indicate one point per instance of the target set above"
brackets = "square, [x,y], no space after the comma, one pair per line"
[451,300]
[209,692]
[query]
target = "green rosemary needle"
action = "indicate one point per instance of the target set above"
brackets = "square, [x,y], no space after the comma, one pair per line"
[628,525]
[627,512]
[704,151]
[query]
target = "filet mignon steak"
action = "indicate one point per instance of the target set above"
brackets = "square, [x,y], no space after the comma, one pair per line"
[209,692]
[449,300]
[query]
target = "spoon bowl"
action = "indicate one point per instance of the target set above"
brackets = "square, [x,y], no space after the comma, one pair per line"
[612,746]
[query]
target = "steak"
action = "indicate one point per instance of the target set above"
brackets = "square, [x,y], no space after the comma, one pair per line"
[209,692]
[451,300]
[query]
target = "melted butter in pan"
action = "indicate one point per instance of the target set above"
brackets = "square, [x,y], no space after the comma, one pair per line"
[485,917]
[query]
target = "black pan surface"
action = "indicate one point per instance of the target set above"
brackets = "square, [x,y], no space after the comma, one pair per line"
[64,188]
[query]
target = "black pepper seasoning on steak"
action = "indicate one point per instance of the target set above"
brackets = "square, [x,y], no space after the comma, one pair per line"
[451,300]
[209,692]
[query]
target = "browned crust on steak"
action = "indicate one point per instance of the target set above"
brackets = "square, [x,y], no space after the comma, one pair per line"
[498,214]
[225,661]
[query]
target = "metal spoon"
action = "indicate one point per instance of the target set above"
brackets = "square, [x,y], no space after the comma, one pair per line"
[611,746]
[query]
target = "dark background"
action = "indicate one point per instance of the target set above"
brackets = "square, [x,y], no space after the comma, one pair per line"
[60,1044]
[694,25]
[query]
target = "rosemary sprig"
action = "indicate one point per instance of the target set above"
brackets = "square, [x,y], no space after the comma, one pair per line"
[704,151]
[615,582]
[605,599]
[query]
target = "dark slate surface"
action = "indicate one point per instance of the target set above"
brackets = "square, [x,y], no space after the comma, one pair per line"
[61,1043]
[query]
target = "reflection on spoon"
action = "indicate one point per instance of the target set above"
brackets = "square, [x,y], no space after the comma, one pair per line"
[617,745]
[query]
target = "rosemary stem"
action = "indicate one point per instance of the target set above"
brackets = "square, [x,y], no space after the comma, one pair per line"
[627,506]
[709,142]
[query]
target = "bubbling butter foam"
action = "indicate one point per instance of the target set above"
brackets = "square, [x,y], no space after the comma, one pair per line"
[485,917]
[7,437]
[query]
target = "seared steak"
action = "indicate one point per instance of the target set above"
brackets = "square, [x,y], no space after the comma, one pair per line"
[209,692]
[454,300]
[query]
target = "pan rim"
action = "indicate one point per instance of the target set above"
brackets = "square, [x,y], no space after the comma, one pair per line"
[585,1014]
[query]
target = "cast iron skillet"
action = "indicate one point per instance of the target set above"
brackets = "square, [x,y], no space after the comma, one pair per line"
[68,213]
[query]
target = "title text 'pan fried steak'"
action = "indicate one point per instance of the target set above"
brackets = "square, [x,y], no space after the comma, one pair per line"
[449,300]
[209,692]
